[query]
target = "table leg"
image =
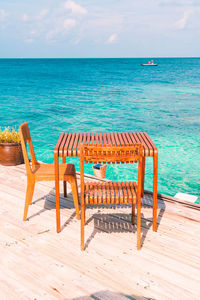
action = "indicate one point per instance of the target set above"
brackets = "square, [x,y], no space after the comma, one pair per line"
[56,165]
[155,183]
[143,175]
[64,182]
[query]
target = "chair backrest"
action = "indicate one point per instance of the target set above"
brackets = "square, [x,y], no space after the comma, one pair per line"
[110,154]
[26,137]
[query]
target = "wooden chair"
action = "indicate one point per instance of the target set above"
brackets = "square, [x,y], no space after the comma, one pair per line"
[44,172]
[110,192]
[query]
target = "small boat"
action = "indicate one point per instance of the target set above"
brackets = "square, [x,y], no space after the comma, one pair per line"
[150,63]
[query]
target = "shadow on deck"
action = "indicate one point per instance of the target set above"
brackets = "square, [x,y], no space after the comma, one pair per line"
[109,295]
[105,222]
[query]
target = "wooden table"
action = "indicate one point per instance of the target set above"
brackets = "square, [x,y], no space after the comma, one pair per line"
[69,145]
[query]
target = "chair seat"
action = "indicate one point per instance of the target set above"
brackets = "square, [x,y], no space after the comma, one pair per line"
[47,171]
[110,192]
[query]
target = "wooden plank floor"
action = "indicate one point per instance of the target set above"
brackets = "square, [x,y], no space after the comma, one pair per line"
[37,263]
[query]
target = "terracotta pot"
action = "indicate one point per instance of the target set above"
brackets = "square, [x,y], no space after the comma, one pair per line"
[10,154]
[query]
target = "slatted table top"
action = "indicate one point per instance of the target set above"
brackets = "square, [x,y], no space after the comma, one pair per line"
[69,143]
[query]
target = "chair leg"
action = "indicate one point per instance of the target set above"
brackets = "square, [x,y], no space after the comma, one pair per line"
[143,176]
[64,182]
[84,217]
[82,227]
[75,197]
[65,188]
[29,196]
[133,214]
[139,225]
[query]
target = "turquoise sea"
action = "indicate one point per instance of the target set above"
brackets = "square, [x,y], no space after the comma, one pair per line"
[56,95]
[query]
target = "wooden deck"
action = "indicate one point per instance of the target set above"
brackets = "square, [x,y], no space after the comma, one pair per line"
[37,263]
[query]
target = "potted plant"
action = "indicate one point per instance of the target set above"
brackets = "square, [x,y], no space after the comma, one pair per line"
[10,147]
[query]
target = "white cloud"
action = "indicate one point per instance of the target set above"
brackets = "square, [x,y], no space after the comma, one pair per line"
[2,14]
[75,8]
[25,18]
[33,32]
[112,38]
[29,41]
[42,14]
[173,3]
[77,41]
[61,29]
[54,24]
[182,23]
[69,23]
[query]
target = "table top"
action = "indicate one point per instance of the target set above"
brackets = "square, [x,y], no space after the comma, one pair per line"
[69,143]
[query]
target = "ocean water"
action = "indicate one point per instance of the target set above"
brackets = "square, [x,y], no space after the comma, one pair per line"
[56,95]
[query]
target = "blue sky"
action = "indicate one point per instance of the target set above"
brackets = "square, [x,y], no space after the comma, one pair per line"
[106,28]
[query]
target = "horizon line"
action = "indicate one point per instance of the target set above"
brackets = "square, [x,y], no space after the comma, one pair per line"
[120,57]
